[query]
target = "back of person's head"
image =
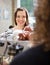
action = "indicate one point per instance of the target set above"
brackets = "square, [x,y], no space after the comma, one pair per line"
[42,28]
[21,9]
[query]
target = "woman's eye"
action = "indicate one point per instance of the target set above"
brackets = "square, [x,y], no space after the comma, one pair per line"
[21,16]
[24,16]
[18,16]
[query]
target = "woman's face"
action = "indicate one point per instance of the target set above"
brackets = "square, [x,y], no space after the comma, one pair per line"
[21,18]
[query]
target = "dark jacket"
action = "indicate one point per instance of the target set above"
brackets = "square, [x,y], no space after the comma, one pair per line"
[33,56]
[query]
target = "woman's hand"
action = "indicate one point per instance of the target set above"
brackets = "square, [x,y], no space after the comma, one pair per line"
[24,36]
[27,28]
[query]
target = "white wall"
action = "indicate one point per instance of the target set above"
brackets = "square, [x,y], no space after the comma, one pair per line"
[5,6]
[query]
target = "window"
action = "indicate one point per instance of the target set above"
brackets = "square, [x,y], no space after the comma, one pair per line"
[28,4]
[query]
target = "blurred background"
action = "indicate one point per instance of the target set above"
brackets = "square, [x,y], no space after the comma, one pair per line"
[7,9]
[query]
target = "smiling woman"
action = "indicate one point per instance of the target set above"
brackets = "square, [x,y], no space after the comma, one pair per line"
[21,18]
[21,21]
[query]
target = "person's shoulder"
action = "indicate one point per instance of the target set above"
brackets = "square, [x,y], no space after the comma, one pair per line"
[25,53]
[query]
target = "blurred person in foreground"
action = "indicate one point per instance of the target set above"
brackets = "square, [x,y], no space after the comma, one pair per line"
[39,53]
